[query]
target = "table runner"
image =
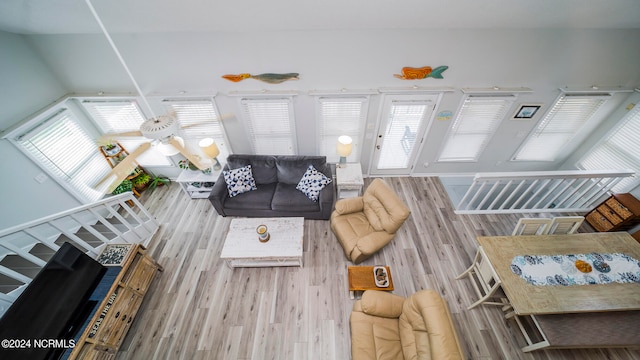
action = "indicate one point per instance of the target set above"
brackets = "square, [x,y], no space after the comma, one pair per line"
[562,270]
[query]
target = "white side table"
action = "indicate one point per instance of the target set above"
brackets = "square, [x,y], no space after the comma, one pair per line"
[349,181]
[197,184]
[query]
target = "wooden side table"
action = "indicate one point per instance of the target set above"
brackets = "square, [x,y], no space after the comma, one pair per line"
[361,279]
[349,180]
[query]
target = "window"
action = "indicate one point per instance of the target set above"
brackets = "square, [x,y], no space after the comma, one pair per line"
[619,150]
[341,116]
[118,116]
[69,154]
[472,129]
[115,116]
[559,126]
[199,119]
[270,123]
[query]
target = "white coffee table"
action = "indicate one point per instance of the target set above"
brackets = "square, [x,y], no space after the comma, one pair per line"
[242,249]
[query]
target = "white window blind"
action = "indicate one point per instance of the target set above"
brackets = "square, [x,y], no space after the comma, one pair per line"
[199,119]
[474,126]
[64,148]
[341,116]
[270,123]
[559,126]
[115,116]
[618,151]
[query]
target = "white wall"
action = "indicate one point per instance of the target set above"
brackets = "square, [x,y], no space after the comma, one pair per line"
[167,64]
[27,85]
[543,60]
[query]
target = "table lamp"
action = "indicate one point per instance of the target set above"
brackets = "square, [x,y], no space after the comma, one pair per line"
[211,150]
[344,148]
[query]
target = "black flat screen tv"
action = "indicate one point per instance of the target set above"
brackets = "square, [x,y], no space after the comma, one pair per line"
[42,322]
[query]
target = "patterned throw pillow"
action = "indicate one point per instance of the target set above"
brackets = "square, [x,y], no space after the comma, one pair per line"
[239,180]
[312,182]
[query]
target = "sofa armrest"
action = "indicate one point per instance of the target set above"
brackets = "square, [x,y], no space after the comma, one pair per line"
[219,194]
[349,205]
[381,303]
[326,201]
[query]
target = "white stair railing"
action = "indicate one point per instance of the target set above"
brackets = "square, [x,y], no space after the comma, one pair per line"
[547,191]
[117,219]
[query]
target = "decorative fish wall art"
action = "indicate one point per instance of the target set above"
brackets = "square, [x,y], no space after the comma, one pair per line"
[268,77]
[410,73]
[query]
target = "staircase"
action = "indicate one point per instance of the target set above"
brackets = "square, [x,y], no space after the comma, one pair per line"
[25,249]
[526,192]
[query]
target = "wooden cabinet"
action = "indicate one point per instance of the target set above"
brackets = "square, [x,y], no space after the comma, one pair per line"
[619,212]
[107,329]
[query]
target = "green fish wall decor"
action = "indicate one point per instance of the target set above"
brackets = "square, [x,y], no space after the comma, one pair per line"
[268,77]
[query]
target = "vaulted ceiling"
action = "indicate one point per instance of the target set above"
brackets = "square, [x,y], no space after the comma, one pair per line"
[142,16]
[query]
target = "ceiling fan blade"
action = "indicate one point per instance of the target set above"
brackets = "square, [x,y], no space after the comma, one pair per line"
[109,138]
[122,170]
[194,159]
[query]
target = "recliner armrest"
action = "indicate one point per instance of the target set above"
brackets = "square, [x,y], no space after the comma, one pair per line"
[349,205]
[381,303]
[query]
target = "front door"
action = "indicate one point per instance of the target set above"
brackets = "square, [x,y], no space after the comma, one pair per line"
[402,127]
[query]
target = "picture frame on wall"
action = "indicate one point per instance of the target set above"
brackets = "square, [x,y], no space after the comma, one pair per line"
[526,111]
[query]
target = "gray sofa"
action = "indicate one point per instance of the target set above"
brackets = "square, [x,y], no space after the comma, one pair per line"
[276,195]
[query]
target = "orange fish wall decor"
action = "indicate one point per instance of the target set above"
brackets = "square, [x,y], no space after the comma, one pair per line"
[411,73]
[268,77]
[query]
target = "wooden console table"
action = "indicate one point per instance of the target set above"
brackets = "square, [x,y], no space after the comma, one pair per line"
[108,327]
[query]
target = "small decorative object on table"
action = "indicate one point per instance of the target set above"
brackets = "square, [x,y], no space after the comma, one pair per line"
[114,255]
[263,233]
[583,266]
[381,277]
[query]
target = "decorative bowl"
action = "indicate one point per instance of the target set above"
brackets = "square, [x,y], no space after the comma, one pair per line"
[583,266]
[380,276]
[601,266]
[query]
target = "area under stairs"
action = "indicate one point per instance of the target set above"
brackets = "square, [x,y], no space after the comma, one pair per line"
[24,249]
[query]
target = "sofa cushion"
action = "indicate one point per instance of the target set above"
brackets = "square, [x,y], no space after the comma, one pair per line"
[262,166]
[259,199]
[239,180]
[287,198]
[292,168]
[312,183]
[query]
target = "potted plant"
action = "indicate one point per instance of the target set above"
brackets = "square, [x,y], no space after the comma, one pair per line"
[111,149]
[186,164]
[158,181]
[125,185]
[141,181]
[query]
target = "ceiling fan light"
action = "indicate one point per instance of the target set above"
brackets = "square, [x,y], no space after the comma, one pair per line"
[167,149]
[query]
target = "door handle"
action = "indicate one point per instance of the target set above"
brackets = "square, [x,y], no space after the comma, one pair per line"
[378,147]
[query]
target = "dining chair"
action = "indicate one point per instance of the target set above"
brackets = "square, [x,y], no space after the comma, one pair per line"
[485,281]
[565,224]
[532,226]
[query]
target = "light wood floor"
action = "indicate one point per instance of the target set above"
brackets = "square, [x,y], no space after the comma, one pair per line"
[198,308]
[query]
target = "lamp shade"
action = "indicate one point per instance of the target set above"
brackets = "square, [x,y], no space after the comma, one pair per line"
[209,147]
[345,146]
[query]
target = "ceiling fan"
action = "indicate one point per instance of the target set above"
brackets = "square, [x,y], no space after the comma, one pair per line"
[159,129]
[162,131]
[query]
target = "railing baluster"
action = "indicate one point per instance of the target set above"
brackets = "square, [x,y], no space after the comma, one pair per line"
[551,191]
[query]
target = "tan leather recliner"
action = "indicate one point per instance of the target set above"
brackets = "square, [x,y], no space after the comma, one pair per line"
[365,224]
[388,326]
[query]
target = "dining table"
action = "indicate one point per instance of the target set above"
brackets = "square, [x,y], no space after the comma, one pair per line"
[561,297]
